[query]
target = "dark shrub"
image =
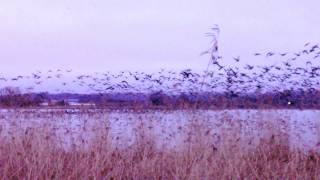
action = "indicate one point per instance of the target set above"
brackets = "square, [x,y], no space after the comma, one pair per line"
[157,98]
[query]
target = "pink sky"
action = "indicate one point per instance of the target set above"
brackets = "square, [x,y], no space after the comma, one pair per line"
[101,35]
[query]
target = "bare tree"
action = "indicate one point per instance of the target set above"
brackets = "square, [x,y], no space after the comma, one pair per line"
[13,97]
[9,91]
[9,96]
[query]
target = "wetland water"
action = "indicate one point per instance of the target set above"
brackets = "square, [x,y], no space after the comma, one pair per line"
[168,129]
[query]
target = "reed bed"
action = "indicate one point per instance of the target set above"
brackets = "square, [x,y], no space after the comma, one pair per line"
[35,153]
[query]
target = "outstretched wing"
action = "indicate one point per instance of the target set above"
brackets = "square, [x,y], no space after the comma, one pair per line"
[204,52]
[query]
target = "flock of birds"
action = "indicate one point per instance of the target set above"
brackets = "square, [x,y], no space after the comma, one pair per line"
[292,71]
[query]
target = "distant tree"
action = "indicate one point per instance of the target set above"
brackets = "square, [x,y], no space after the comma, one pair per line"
[10,91]
[10,96]
[157,98]
[39,98]
[13,97]
[62,103]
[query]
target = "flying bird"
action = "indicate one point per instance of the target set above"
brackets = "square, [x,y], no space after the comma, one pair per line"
[237,59]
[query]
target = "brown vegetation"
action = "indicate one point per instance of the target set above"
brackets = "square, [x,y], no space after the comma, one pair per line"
[34,153]
[13,97]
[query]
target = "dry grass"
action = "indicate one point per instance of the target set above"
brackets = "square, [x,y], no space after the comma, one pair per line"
[35,154]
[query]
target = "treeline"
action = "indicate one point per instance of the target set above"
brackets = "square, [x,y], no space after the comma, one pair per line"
[286,99]
[308,99]
[13,97]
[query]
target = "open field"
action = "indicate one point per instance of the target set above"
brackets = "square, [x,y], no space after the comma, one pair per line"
[183,144]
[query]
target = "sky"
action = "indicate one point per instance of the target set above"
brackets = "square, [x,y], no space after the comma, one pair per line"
[147,35]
